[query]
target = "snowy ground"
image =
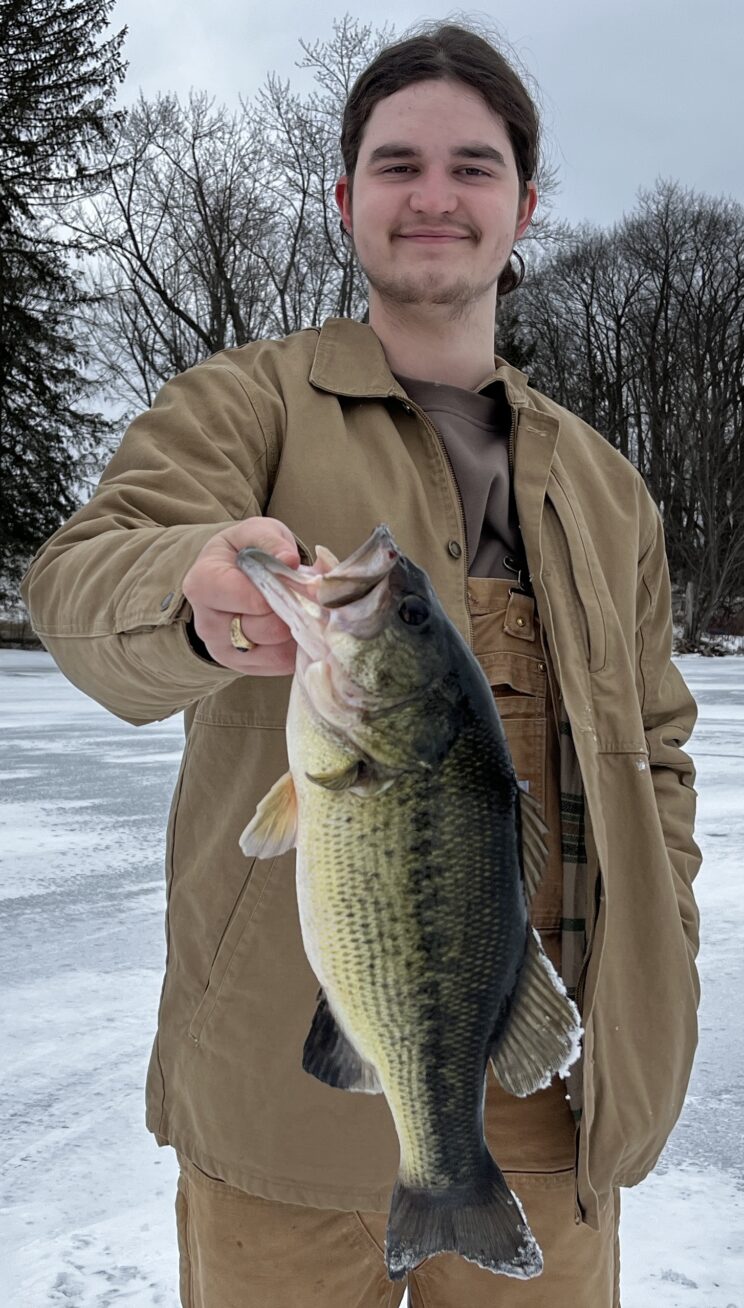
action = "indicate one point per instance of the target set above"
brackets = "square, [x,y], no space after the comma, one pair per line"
[86,1205]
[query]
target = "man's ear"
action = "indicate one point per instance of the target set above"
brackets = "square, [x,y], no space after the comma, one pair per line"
[526,209]
[343,200]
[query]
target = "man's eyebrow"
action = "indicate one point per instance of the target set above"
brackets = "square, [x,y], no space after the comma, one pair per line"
[473,150]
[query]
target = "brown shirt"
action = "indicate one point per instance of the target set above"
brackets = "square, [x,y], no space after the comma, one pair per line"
[474,426]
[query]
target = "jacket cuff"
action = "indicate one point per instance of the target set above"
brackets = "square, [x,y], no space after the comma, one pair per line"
[197,644]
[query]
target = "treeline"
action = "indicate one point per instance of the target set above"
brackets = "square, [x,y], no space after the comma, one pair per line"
[640,330]
[209,228]
[59,71]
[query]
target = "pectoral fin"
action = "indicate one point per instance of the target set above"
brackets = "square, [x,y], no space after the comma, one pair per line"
[542,1036]
[273,828]
[330,1056]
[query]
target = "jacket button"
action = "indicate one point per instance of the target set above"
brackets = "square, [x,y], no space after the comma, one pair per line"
[167,600]
[520,622]
[455,548]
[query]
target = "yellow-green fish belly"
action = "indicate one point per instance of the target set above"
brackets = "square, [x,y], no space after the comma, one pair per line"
[400,914]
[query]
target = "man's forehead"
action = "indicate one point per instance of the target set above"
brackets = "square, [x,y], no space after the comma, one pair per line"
[408,119]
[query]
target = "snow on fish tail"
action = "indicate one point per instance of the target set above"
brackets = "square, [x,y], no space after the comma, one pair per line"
[482,1222]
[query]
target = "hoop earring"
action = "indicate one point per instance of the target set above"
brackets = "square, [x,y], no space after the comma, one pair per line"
[522,269]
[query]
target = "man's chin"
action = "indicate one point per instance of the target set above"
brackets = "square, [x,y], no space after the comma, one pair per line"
[426,291]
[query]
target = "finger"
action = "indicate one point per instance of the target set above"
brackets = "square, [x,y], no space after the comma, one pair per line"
[213,626]
[224,588]
[267,534]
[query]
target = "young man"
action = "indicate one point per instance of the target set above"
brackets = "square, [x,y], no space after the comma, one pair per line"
[548,554]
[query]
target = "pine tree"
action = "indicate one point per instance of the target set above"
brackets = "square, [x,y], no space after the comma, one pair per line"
[57,81]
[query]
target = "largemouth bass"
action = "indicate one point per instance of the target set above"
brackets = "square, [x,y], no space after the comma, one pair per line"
[417,856]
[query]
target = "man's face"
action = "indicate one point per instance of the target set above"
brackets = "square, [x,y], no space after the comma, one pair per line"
[436,206]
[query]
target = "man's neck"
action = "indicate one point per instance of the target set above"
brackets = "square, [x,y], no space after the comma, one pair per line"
[434,346]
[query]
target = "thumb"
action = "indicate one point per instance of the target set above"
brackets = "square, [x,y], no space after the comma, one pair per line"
[289,554]
[284,546]
[268,534]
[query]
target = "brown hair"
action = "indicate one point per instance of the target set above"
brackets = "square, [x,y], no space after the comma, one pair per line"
[456,54]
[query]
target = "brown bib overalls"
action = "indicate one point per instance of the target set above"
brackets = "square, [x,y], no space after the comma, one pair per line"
[241,1251]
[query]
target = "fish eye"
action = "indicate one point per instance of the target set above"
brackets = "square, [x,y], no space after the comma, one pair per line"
[413,610]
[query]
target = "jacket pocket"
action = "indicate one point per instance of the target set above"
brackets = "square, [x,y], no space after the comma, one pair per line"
[571,540]
[256,881]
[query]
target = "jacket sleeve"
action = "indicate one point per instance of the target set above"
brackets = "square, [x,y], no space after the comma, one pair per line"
[105,591]
[669,714]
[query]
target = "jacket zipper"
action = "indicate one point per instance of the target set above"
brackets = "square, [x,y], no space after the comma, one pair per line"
[512,434]
[524,582]
[413,408]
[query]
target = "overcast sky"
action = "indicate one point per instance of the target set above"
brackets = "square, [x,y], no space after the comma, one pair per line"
[631,89]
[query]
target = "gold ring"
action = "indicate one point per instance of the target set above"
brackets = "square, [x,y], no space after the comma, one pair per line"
[238,638]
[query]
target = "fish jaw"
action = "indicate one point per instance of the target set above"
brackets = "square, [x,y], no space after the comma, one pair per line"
[306,599]
[361,572]
[291,593]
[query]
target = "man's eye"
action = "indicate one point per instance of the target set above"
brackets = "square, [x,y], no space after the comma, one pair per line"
[470,170]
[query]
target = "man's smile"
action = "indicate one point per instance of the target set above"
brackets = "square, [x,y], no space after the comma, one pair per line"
[432,238]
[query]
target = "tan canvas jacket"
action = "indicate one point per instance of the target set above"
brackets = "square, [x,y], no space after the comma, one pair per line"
[314,430]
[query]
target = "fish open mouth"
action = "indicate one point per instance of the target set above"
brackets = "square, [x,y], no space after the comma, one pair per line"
[309,601]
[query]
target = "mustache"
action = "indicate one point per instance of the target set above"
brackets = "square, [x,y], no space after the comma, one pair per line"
[449,230]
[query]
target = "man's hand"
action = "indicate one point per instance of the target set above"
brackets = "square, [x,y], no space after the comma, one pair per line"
[218,591]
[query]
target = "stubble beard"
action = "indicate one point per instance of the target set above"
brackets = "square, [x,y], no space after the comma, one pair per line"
[460,294]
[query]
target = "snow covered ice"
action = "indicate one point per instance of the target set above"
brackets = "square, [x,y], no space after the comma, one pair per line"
[86,1202]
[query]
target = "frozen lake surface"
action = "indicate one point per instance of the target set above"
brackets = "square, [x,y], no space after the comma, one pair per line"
[86,1206]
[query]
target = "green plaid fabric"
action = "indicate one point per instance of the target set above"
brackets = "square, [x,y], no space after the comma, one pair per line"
[573,921]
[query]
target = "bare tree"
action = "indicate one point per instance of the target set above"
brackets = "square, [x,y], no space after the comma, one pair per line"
[171,239]
[641,331]
[217,228]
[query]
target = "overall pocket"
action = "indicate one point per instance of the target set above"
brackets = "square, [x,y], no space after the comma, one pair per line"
[519,685]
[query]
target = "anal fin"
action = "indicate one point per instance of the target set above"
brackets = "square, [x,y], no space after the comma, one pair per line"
[542,1035]
[330,1056]
[534,848]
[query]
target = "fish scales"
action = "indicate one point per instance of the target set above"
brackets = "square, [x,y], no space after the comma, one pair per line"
[412,888]
[410,949]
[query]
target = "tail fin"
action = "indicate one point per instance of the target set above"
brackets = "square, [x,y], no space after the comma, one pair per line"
[482,1222]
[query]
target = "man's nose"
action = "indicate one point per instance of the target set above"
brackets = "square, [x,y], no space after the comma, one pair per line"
[433,191]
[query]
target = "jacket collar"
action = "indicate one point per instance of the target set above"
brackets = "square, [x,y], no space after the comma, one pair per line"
[349,360]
